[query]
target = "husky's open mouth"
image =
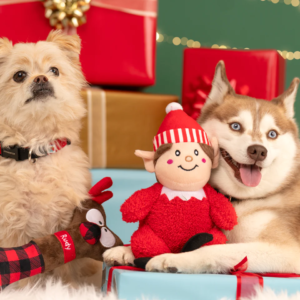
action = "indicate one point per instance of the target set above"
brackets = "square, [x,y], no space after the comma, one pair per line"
[249,175]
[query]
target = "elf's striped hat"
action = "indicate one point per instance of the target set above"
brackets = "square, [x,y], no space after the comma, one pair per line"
[178,127]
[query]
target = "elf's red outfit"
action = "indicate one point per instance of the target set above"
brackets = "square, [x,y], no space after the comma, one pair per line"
[166,222]
[166,225]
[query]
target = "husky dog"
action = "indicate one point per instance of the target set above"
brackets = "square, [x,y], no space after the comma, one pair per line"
[259,167]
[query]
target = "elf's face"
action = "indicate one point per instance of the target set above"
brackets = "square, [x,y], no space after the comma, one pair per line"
[185,167]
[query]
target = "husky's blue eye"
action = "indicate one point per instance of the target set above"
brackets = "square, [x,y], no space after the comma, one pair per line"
[235,126]
[272,134]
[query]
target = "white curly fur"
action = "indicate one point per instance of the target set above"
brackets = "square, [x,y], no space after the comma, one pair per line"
[55,290]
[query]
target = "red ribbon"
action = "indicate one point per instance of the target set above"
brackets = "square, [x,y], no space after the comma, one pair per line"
[246,281]
[111,270]
[110,275]
[67,245]
[200,90]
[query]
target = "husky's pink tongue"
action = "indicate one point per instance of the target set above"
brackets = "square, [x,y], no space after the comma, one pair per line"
[250,175]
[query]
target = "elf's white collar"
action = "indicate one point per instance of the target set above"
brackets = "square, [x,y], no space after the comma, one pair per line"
[184,195]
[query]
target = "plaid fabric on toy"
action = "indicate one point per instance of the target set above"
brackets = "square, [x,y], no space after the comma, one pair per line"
[20,262]
[90,232]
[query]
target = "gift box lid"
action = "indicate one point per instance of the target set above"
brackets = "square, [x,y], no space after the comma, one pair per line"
[256,73]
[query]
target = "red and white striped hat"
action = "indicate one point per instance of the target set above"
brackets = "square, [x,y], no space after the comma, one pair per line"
[178,127]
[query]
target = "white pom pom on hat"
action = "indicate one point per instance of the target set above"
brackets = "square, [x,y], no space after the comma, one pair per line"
[173,106]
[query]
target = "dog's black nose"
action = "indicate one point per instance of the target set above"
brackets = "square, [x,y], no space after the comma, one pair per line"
[257,152]
[40,79]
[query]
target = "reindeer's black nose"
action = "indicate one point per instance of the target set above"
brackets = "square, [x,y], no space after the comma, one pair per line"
[257,152]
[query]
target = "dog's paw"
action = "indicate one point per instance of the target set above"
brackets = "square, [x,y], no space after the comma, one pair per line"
[118,256]
[164,263]
[176,263]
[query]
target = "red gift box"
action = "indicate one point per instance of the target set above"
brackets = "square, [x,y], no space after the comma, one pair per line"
[259,74]
[118,39]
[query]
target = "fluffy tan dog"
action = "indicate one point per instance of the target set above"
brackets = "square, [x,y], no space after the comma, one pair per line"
[40,102]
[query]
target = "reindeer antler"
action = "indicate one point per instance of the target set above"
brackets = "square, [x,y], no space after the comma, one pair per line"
[97,191]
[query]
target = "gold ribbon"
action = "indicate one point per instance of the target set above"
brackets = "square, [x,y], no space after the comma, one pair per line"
[66,13]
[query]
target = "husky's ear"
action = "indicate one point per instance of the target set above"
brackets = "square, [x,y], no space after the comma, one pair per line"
[220,85]
[288,98]
[5,48]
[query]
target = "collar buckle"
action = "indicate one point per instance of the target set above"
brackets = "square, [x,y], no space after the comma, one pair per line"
[32,160]
[10,152]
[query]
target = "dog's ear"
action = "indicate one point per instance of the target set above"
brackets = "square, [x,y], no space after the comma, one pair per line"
[5,48]
[71,44]
[288,98]
[220,85]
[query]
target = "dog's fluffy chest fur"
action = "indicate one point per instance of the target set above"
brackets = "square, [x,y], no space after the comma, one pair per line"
[254,216]
[39,199]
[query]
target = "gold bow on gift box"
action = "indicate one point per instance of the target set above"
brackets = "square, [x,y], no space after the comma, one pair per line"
[66,13]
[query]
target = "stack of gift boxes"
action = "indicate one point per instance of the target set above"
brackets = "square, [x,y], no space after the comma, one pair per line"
[118,50]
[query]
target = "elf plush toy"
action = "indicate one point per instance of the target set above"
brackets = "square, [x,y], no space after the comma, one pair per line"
[87,236]
[181,212]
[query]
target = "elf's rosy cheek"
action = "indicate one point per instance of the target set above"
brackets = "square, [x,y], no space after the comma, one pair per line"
[204,160]
[170,161]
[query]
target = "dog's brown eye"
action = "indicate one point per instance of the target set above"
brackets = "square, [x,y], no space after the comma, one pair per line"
[55,71]
[20,76]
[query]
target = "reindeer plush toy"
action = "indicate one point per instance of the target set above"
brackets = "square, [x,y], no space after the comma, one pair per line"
[87,236]
[181,212]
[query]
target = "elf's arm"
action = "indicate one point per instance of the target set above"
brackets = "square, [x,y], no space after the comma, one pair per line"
[221,210]
[137,206]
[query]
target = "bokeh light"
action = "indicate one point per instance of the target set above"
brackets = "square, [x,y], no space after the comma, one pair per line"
[176,41]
